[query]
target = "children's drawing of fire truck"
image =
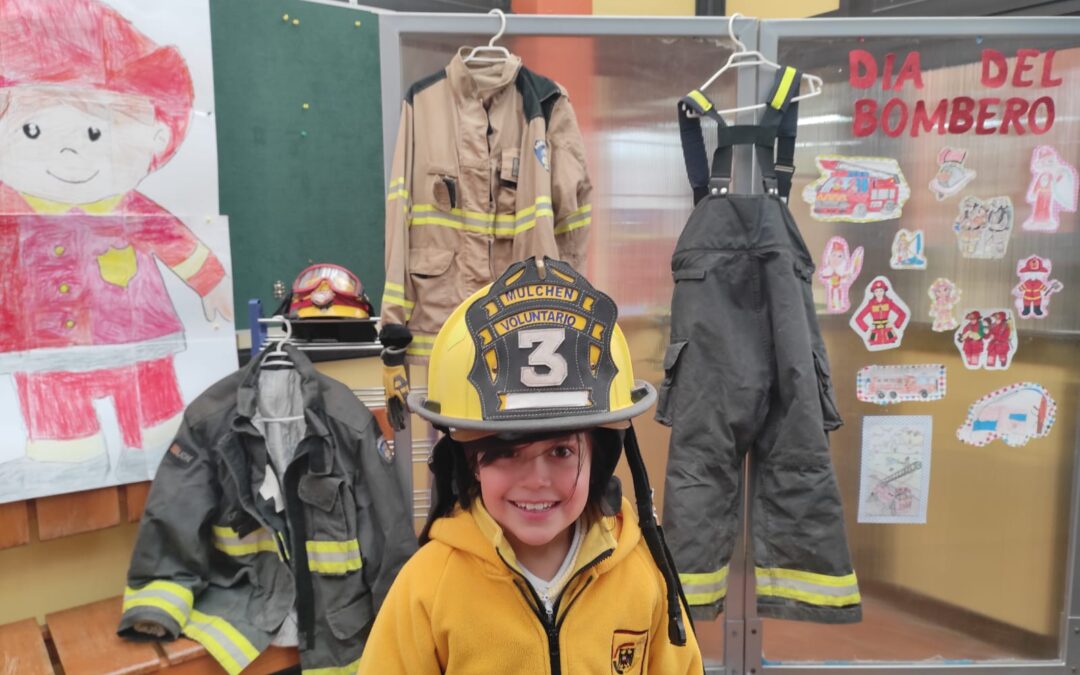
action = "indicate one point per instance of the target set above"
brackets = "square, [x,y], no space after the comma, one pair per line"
[893,384]
[857,189]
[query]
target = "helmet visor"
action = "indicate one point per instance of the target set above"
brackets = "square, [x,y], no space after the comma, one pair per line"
[340,279]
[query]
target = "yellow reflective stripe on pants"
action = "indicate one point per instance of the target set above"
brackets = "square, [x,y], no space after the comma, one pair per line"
[705,588]
[808,587]
[421,345]
[226,644]
[171,598]
[334,557]
[228,541]
[577,219]
[349,669]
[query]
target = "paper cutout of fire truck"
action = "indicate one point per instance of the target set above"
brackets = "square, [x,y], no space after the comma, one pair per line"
[894,384]
[857,189]
[1014,414]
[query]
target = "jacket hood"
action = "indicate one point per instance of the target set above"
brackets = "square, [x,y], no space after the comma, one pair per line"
[475,532]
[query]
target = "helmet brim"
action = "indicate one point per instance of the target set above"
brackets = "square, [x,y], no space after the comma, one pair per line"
[643,396]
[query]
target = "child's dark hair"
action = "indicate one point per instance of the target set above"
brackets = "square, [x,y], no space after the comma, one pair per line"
[455,465]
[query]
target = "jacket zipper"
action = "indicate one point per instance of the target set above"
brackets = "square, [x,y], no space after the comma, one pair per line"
[548,619]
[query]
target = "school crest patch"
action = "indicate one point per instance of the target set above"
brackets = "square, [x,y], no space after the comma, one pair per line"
[540,149]
[628,651]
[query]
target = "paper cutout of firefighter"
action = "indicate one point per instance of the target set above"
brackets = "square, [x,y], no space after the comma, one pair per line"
[952,176]
[987,339]
[838,272]
[983,227]
[882,317]
[1035,288]
[1054,188]
[944,296]
[857,189]
[89,107]
[907,250]
[1014,414]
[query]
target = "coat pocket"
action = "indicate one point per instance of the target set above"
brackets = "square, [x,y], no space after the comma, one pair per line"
[664,408]
[830,412]
[350,619]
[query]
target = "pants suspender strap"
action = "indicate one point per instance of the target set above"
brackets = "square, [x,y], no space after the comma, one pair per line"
[782,115]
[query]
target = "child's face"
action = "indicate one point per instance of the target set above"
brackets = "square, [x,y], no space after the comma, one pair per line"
[538,491]
[76,146]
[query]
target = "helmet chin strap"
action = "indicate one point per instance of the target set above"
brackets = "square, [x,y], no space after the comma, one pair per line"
[654,538]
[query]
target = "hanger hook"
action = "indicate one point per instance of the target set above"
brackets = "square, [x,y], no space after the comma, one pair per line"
[502,26]
[731,31]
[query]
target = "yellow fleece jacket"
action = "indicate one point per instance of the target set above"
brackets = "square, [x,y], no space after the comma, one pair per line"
[461,606]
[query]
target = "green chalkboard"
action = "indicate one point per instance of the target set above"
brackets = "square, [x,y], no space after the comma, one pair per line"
[299,185]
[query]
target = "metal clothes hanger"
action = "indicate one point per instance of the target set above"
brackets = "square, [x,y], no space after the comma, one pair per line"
[742,58]
[503,52]
[278,356]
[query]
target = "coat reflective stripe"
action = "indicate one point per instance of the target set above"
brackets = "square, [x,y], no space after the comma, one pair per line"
[579,218]
[334,557]
[397,190]
[226,644]
[349,669]
[394,294]
[483,223]
[421,345]
[808,587]
[228,541]
[167,596]
[705,588]
[171,598]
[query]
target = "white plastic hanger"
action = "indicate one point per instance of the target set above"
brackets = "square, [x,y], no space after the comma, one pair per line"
[742,58]
[503,52]
[278,356]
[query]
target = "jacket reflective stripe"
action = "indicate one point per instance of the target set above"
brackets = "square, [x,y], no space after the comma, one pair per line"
[579,218]
[483,223]
[397,190]
[231,649]
[808,587]
[421,345]
[171,598]
[705,588]
[228,541]
[334,557]
[394,294]
[349,669]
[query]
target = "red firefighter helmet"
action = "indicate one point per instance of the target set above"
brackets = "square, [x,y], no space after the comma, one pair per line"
[325,289]
[973,315]
[1034,264]
[879,285]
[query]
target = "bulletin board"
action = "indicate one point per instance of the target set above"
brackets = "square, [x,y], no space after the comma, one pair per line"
[927,170]
[299,143]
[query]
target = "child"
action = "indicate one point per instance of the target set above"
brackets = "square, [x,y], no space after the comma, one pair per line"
[532,561]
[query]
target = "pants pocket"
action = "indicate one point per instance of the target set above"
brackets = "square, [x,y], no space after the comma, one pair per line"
[830,412]
[664,408]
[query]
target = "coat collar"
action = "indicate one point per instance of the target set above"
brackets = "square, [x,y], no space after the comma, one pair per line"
[314,408]
[480,80]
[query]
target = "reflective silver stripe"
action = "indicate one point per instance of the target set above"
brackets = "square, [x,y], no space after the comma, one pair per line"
[808,587]
[171,598]
[704,593]
[231,649]
[228,541]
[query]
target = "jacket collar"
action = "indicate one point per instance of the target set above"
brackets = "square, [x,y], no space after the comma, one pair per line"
[482,79]
[247,396]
